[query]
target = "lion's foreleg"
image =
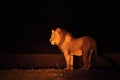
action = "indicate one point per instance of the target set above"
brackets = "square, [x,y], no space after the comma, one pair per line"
[69,61]
[66,55]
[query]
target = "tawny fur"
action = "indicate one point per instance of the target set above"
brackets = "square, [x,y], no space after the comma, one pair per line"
[83,46]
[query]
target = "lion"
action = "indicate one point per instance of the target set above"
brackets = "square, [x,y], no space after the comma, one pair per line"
[83,46]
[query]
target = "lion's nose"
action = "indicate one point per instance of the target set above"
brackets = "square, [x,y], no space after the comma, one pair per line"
[50,40]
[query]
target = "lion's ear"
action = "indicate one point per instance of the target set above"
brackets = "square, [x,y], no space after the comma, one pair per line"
[58,30]
[52,31]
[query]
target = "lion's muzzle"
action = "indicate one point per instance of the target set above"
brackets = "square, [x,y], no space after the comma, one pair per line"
[52,42]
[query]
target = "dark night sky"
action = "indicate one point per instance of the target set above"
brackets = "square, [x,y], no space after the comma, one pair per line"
[26,27]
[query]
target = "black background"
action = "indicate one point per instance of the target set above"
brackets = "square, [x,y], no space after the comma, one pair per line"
[26,26]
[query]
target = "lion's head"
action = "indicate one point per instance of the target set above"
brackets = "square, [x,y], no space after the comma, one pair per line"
[55,36]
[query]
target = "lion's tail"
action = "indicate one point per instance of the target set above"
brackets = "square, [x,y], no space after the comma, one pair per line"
[95,52]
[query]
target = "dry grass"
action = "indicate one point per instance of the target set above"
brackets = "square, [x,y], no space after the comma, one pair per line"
[108,68]
[58,74]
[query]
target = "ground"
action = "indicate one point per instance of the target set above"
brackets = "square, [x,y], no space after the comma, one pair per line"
[107,68]
[59,74]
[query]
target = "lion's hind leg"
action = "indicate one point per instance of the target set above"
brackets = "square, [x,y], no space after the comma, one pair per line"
[86,61]
[89,57]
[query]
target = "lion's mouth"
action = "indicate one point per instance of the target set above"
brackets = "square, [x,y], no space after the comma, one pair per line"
[52,43]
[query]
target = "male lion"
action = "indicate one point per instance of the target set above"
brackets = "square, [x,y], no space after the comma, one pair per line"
[83,46]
